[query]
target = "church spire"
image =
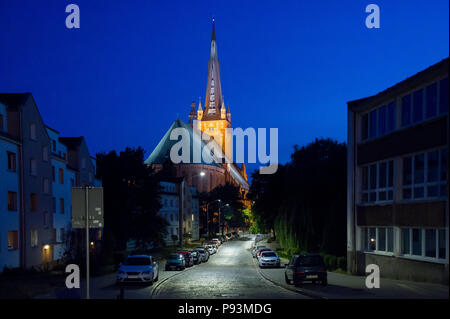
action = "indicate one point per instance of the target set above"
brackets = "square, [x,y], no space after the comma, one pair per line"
[213,99]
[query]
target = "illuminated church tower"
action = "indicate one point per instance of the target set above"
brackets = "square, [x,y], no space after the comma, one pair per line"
[214,118]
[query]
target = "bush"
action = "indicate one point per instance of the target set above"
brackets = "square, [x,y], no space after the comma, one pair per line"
[332,262]
[342,263]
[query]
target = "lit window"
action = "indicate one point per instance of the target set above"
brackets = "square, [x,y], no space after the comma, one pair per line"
[377,182]
[34,238]
[13,242]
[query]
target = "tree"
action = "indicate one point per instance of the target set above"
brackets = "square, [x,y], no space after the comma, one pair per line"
[304,202]
[131,199]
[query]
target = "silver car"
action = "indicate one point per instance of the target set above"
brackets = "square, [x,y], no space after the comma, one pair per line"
[269,259]
[138,268]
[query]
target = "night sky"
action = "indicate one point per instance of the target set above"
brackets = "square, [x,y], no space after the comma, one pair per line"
[133,66]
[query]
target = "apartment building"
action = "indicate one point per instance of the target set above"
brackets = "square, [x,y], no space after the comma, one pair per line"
[398,207]
[171,211]
[35,181]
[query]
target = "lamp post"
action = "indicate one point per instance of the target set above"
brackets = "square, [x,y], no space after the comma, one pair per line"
[207,215]
[221,228]
[181,209]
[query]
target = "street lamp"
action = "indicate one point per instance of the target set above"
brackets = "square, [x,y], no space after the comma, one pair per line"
[220,218]
[207,214]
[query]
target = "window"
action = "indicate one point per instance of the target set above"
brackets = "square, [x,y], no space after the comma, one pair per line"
[13,240]
[378,122]
[443,96]
[406,110]
[430,243]
[425,175]
[34,202]
[417,109]
[417,242]
[33,135]
[46,219]
[45,154]
[12,201]
[431,100]
[53,173]
[380,239]
[34,238]
[33,167]
[427,243]
[61,176]
[54,145]
[365,127]
[11,161]
[53,204]
[2,126]
[61,205]
[45,186]
[377,182]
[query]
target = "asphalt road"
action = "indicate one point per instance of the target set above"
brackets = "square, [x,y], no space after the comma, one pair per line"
[230,273]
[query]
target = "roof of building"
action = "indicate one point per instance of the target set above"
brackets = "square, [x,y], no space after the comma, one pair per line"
[161,153]
[71,142]
[13,99]
[409,83]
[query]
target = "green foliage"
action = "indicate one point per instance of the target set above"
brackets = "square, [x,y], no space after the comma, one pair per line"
[131,200]
[342,263]
[304,202]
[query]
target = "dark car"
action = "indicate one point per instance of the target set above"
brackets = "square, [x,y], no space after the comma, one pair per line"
[196,257]
[175,261]
[187,256]
[235,234]
[309,267]
[203,254]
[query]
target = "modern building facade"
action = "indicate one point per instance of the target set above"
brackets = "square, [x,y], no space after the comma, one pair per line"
[35,183]
[398,203]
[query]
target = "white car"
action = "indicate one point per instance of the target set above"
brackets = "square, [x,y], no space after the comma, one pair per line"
[217,240]
[269,259]
[138,268]
[211,248]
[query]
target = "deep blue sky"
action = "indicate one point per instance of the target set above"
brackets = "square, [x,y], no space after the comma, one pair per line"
[134,65]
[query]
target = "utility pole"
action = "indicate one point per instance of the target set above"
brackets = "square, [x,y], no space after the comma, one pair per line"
[87,241]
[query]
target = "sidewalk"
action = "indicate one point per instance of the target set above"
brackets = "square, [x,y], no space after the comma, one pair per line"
[343,286]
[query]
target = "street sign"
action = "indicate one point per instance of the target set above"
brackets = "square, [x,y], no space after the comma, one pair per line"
[95,201]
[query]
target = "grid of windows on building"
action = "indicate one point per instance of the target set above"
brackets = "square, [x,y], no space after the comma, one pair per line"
[425,103]
[378,239]
[425,175]
[423,242]
[377,182]
[378,122]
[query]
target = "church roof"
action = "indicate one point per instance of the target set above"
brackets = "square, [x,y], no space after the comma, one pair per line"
[161,153]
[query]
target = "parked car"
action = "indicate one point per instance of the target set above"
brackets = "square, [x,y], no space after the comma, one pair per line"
[187,256]
[138,268]
[175,261]
[204,255]
[211,249]
[196,257]
[309,267]
[258,254]
[223,238]
[235,234]
[230,236]
[217,240]
[255,250]
[269,259]
[215,244]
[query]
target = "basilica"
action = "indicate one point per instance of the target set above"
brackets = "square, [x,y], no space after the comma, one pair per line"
[213,118]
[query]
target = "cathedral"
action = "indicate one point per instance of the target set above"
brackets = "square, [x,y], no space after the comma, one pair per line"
[213,119]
